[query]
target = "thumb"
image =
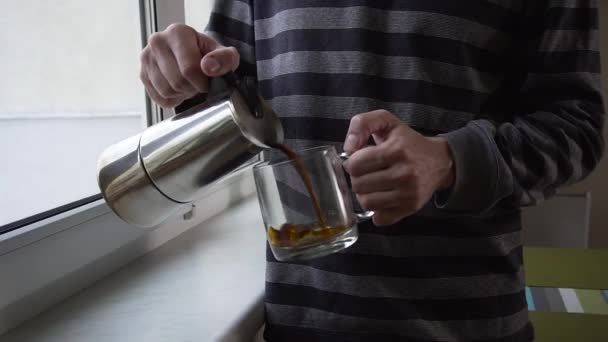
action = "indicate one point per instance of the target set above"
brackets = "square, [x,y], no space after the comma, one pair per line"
[220,61]
[362,126]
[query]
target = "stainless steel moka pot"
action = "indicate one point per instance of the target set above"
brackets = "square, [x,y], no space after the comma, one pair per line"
[148,177]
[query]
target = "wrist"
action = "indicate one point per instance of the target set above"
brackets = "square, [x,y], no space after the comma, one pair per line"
[446,163]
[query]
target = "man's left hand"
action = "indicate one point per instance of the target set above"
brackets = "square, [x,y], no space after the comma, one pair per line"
[399,175]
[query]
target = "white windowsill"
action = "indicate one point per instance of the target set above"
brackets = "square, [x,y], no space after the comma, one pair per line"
[49,261]
[205,285]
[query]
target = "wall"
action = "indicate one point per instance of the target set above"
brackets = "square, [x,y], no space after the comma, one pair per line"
[597,182]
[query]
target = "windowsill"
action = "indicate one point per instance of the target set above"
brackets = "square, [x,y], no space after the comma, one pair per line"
[49,262]
[206,284]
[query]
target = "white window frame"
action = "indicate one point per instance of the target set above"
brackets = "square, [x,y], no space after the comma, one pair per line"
[49,260]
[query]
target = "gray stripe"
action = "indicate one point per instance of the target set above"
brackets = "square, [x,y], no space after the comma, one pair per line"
[446,331]
[573,3]
[246,51]
[554,298]
[393,67]
[512,5]
[571,301]
[575,153]
[570,40]
[396,287]
[430,24]
[407,246]
[540,299]
[334,107]
[236,10]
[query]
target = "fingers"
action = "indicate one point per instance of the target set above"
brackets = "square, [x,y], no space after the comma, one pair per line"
[366,160]
[167,63]
[156,97]
[159,82]
[389,206]
[380,200]
[205,43]
[220,61]
[176,64]
[362,126]
[373,182]
[187,57]
[375,158]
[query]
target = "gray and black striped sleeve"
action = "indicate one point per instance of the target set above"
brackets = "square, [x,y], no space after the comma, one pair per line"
[554,138]
[231,23]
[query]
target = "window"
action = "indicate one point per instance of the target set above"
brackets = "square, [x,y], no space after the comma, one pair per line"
[69,88]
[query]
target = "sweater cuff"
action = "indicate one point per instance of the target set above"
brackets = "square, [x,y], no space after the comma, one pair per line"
[476,169]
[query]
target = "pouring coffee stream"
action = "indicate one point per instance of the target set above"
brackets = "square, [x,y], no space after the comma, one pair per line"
[305,175]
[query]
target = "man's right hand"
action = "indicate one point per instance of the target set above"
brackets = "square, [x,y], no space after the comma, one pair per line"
[176,64]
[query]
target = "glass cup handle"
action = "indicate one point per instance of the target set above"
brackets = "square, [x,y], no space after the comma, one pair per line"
[361,216]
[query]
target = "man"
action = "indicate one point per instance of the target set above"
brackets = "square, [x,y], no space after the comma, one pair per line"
[476,108]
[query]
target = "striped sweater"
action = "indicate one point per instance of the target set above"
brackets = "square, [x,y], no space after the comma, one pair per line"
[513,85]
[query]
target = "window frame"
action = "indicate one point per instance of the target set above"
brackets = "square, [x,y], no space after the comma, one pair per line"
[50,256]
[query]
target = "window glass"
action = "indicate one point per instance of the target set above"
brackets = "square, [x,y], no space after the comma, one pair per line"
[69,88]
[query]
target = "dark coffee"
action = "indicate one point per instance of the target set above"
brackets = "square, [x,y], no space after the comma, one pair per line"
[305,175]
[291,235]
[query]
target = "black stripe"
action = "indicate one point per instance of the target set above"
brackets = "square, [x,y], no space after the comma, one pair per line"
[387,44]
[565,61]
[543,90]
[326,129]
[389,90]
[231,28]
[295,200]
[246,69]
[276,332]
[572,18]
[415,267]
[396,308]
[483,12]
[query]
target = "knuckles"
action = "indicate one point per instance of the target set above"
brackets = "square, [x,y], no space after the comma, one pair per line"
[385,112]
[144,56]
[389,155]
[405,175]
[177,30]
[156,41]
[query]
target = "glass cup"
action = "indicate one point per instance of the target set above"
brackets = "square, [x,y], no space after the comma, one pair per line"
[293,229]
